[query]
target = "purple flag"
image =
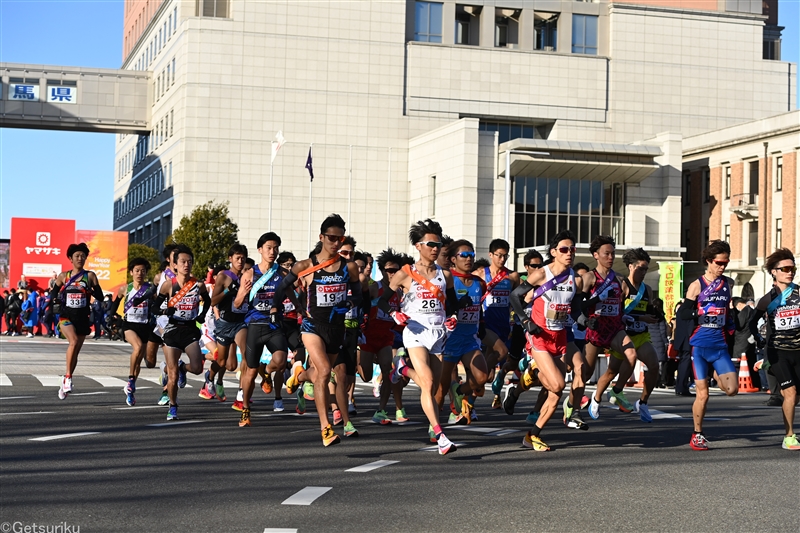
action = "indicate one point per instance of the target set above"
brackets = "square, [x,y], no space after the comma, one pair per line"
[309,166]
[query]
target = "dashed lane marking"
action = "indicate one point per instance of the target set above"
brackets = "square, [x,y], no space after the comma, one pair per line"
[4,381]
[108,381]
[279,530]
[174,423]
[65,436]
[49,381]
[16,397]
[306,496]
[369,467]
[126,408]
[28,413]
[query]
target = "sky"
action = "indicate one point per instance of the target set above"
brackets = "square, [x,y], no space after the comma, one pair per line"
[49,174]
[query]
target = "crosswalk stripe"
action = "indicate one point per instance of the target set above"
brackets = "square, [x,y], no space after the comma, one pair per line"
[306,496]
[49,381]
[108,381]
[4,381]
[66,436]
[157,381]
[369,467]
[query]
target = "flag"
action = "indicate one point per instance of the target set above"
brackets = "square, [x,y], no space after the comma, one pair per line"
[309,166]
[376,274]
[277,145]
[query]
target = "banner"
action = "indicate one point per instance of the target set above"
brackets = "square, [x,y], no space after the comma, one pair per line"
[108,257]
[670,285]
[5,282]
[39,250]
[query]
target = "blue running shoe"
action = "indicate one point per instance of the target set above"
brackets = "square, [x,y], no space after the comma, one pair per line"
[129,399]
[173,412]
[130,388]
[499,381]
[524,363]
[181,375]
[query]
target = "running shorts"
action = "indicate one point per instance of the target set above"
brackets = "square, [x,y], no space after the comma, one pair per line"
[432,339]
[379,335]
[291,330]
[787,368]
[179,336]
[552,342]
[606,330]
[225,332]
[718,357]
[260,335]
[155,338]
[332,336]
[347,354]
[458,345]
[81,323]
[141,330]
[638,340]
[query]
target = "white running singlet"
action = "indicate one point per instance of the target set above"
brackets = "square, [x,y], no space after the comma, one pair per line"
[551,310]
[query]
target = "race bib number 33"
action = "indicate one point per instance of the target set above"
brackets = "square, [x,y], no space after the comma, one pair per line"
[76,300]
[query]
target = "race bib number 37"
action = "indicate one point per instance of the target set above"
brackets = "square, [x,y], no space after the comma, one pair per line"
[786,319]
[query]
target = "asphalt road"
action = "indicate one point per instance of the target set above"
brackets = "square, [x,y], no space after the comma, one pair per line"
[131,471]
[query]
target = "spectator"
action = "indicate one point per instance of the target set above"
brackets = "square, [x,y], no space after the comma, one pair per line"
[659,339]
[47,316]
[52,282]
[3,308]
[30,312]
[97,316]
[743,342]
[13,309]
[22,284]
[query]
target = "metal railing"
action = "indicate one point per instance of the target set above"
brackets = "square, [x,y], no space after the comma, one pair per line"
[744,200]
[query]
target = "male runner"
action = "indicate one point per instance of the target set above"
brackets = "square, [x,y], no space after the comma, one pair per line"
[155,340]
[707,303]
[782,306]
[290,324]
[333,288]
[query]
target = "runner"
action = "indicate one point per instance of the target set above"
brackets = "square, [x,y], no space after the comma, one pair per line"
[70,295]
[137,322]
[638,313]
[155,340]
[230,329]
[782,306]
[707,303]
[333,288]
[546,326]
[290,324]
[424,312]
[462,343]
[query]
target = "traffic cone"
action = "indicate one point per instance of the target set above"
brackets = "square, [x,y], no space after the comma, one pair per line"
[745,383]
[642,368]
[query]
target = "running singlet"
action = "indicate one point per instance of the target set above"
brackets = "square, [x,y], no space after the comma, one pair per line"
[260,305]
[712,315]
[637,326]
[188,307]
[468,317]
[76,295]
[496,305]
[421,305]
[227,311]
[137,314]
[551,310]
[785,320]
[608,311]
[326,290]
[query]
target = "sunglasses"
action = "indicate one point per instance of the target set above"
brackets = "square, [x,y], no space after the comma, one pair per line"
[535,266]
[391,270]
[465,255]
[721,263]
[346,253]
[567,249]
[501,256]
[333,238]
[432,244]
[787,269]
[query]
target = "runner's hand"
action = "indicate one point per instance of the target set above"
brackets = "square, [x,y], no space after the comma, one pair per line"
[400,318]
[586,322]
[451,323]
[532,328]
[169,311]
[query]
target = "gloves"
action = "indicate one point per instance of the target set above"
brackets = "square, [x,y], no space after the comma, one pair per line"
[169,311]
[532,328]
[451,323]
[274,319]
[586,322]
[400,318]
[628,320]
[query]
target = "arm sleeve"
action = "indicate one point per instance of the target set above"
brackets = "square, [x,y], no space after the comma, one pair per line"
[688,310]
[286,285]
[356,294]
[517,297]
[158,301]
[97,292]
[451,301]
[383,302]
[114,306]
[366,305]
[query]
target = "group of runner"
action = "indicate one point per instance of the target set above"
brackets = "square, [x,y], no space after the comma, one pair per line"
[321,321]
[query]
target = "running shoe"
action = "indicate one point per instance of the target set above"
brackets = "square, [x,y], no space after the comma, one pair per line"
[164,378]
[643,410]
[66,384]
[337,417]
[238,405]
[457,420]
[329,438]
[266,384]
[277,406]
[207,391]
[308,391]
[245,419]
[453,418]
[293,382]
[619,400]
[130,387]
[576,422]
[220,390]
[350,430]
[458,398]
[351,408]
[130,400]
[466,411]
[584,402]
[524,362]
[534,443]
[61,394]
[497,403]
[453,409]
[381,417]
[499,381]
[400,416]
[376,385]
[791,443]
[699,442]
[181,375]
[431,434]
[473,415]
[567,410]
[594,409]
[164,400]
[397,367]
[301,403]
[532,417]
[173,412]
[526,379]
[445,446]
[333,377]
[509,402]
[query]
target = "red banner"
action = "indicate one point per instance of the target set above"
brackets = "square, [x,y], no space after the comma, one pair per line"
[108,256]
[39,249]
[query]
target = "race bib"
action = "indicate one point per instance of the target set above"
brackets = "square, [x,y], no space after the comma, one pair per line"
[556,312]
[263,300]
[469,315]
[330,295]
[288,306]
[786,319]
[637,327]
[76,300]
[428,303]
[714,317]
[609,307]
[498,298]
[186,309]
[138,314]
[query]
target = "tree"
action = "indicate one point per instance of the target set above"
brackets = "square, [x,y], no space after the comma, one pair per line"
[209,232]
[151,254]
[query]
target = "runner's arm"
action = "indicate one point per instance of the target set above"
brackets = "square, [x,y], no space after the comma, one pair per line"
[244,289]
[148,294]
[220,288]
[517,297]
[688,309]
[206,304]
[286,285]
[97,292]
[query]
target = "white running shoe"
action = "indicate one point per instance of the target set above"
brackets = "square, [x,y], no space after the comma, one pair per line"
[594,408]
[445,446]
[61,394]
[67,385]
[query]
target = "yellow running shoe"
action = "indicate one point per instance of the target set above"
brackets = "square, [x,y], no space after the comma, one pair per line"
[329,438]
[245,419]
[534,443]
[497,403]
[466,410]
[293,382]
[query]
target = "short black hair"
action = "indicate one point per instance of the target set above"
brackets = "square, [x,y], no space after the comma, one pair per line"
[333,221]
[163,265]
[182,249]
[406,260]
[216,270]
[581,266]
[237,248]
[532,254]
[250,262]
[600,241]
[424,227]
[285,256]
[349,240]
[446,241]
[455,245]
[166,253]
[269,236]
[77,248]
[634,255]
[317,249]
[137,261]
[563,235]
[360,256]
[713,249]
[781,254]
[481,262]
[498,244]
[389,255]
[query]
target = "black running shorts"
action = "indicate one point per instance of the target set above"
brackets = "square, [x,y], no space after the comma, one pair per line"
[260,335]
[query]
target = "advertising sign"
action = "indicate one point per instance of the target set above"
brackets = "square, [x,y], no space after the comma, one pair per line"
[670,285]
[62,95]
[39,249]
[108,256]
[5,283]
[23,91]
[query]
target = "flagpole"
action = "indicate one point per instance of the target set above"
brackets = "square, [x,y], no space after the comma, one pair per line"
[350,183]
[269,224]
[388,196]
[310,198]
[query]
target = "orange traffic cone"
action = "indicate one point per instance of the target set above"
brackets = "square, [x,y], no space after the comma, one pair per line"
[745,383]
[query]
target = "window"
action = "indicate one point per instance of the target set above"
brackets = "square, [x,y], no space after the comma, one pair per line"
[170,174]
[510,131]
[171,121]
[727,233]
[466,32]
[169,67]
[727,171]
[545,26]
[211,8]
[501,32]
[173,71]
[706,186]
[433,196]
[778,233]
[687,191]
[779,173]
[175,20]
[584,34]
[169,31]
[428,22]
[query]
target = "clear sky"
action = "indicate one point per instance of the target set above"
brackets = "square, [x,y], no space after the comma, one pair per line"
[48,174]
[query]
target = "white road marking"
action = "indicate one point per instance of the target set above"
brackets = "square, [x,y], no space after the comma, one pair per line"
[279,530]
[660,415]
[29,413]
[504,432]
[108,381]
[4,381]
[406,423]
[435,447]
[49,381]
[16,397]
[174,423]
[371,466]
[714,419]
[475,429]
[86,393]
[157,381]
[66,436]
[230,385]
[306,496]
[141,407]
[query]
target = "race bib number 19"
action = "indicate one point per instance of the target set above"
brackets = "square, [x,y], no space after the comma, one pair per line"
[330,295]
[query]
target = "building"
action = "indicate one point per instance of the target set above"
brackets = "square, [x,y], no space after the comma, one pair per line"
[507,117]
[740,185]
